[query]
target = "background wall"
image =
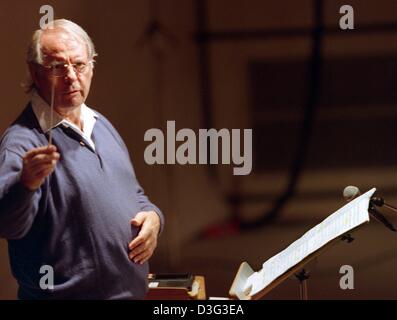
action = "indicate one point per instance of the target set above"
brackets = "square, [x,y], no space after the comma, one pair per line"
[138,89]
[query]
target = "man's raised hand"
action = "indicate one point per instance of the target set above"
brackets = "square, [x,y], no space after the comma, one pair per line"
[38,163]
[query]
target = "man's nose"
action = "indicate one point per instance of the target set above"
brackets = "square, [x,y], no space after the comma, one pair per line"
[71,74]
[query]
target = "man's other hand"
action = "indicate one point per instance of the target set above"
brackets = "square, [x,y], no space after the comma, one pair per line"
[142,247]
[38,163]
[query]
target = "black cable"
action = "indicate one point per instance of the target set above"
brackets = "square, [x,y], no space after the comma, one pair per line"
[314,86]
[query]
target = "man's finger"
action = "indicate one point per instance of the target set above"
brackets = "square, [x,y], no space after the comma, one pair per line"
[138,250]
[44,172]
[40,150]
[137,222]
[44,157]
[35,171]
[139,258]
[39,161]
[136,242]
[143,257]
[38,165]
[143,236]
[139,218]
[42,165]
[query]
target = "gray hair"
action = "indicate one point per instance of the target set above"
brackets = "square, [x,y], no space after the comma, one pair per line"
[34,53]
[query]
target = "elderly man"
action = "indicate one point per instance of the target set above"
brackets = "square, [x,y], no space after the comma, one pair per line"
[72,205]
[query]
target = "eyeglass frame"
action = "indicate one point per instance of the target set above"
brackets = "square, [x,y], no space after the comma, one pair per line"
[67,65]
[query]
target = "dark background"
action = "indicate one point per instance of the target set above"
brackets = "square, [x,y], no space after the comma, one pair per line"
[321,102]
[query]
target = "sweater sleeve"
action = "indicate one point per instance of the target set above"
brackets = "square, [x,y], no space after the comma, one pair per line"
[146,205]
[18,205]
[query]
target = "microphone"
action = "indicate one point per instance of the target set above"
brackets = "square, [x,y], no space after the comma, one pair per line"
[352,192]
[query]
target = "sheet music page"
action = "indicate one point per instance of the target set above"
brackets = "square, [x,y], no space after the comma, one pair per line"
[340,222]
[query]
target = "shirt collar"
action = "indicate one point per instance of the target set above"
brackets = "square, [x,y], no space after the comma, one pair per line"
[43,114]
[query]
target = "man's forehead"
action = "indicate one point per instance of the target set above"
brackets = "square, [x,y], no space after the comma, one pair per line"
[57,43]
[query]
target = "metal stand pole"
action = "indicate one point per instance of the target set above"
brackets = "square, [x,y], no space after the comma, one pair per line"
[302,276]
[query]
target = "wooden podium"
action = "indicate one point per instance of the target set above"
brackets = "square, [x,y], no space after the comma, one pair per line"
[179,293]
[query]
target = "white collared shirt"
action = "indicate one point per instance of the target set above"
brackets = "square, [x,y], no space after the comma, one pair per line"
[43,114]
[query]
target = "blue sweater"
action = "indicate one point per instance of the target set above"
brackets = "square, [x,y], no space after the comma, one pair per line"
[78,221]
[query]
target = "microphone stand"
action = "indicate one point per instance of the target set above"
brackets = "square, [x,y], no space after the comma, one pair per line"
[378,216]
[379,202]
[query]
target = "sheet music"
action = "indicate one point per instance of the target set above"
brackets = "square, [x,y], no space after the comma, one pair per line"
[340,222]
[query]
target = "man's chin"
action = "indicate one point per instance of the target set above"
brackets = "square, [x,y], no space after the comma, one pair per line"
[70,104]
[73,98]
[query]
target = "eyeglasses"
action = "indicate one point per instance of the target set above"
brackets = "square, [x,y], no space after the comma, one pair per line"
[61,69]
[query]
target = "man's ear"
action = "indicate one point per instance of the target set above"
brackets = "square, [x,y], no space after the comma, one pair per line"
[33,73]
